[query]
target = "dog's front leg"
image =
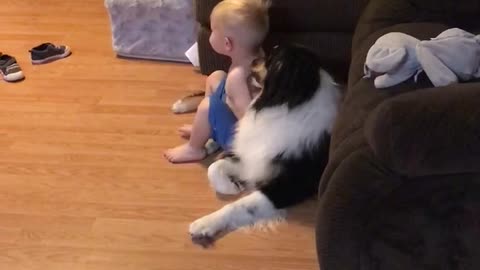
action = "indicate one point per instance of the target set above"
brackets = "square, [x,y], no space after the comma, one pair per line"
[245,211]
[223,175]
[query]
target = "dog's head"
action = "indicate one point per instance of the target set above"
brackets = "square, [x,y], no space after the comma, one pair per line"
[289,76]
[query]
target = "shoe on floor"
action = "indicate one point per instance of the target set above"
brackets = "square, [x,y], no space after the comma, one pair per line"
[48,52]
[9,68]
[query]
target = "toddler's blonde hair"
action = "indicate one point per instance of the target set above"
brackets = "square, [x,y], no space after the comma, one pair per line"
[244,20]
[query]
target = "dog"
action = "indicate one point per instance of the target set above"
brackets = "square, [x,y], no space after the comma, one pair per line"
[281,145]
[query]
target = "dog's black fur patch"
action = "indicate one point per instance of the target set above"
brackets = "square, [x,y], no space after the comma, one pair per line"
[292,77]
[300,177]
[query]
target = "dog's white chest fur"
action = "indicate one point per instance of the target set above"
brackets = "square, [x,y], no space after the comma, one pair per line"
[262,136]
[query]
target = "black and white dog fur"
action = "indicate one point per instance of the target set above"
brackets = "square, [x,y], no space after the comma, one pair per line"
[281,146]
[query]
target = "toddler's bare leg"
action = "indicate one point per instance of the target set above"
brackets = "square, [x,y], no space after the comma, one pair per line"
[185,131]
[213,81]
[211,84]
[194,149]
[190,103]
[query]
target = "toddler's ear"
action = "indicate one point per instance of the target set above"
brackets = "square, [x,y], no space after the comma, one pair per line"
[228,44]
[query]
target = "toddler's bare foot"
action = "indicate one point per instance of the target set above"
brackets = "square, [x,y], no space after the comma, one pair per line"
[185,153]
[185,131]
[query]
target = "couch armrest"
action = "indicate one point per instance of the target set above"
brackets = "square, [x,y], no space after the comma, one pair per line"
[428,132]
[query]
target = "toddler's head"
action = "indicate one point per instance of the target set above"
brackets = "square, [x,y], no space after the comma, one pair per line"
[239,24]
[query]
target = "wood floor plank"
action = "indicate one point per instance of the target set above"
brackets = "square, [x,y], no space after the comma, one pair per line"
[83,183]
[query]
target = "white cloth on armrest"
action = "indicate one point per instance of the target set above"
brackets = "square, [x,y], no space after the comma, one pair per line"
[393,58]
[452,56]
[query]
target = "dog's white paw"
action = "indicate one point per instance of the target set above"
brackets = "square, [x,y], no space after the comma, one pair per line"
[219,179]
[204,231]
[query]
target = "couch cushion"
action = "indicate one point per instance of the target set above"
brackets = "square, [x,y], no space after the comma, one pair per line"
[332,48]
[370,218]
[363,202]
[428,132]
[381,17]
[304,16]
[362,97]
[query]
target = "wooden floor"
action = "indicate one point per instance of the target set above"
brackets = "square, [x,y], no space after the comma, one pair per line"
[83,184]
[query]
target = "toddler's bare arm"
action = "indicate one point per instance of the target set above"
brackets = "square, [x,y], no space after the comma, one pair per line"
[238,94]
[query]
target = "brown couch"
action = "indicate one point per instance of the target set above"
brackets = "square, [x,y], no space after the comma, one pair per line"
[402,188]
[326,26]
